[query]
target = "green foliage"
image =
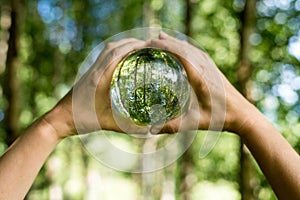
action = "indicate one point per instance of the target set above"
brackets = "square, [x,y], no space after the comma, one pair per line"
[276,74]
[56,36]
[149,87]
[222,162]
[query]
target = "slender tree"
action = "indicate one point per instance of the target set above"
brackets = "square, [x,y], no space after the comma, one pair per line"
[248,174]
[149,181]
[12,83]
[185,164]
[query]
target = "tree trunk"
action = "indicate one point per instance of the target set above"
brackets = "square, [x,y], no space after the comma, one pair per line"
[188,17]
[185,163]
[149,15]
[11,84]
[248,174]
[149,182]
[185,167]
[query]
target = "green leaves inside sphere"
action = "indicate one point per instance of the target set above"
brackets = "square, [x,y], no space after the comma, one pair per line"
[149,86]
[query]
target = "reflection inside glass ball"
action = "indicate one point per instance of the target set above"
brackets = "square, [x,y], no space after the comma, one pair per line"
[149,86]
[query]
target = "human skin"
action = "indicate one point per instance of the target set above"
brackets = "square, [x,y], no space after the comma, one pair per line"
[22,161]
[278,160]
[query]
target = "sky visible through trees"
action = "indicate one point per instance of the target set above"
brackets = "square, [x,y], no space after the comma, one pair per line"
[53,38]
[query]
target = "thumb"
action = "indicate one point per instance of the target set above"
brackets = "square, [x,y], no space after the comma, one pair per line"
[162,35]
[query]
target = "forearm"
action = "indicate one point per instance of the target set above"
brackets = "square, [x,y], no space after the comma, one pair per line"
[277,159]
[22,161]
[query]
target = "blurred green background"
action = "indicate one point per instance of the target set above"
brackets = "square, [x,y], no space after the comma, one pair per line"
[255,43]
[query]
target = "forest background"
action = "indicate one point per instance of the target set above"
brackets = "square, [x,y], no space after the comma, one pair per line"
[256,43]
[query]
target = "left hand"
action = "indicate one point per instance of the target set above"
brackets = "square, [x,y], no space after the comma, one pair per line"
[87,106]
[217,105]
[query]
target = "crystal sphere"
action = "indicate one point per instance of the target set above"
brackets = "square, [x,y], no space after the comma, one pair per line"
[149,86]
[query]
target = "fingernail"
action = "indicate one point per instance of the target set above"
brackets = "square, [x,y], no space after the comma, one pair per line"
[163,35]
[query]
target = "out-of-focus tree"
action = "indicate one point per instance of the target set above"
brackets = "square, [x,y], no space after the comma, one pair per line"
[185,164]
[55,36]
[11,80]
[248,174]
[275,57]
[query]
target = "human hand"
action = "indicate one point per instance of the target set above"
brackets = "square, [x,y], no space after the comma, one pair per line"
[87,108]
[219,104]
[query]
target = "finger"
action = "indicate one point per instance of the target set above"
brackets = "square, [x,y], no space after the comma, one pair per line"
[108,48]
[115,44]
[117,54]
[189,120]
[166,44]
[114,58]
[188,58]
[171,126]
[174,47]
[111,57]
[164,36]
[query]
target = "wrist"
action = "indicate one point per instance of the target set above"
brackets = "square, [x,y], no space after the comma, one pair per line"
[60,118]
[246,119]
[241,114]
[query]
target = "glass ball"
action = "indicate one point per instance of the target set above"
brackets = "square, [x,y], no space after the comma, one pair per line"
[149,86]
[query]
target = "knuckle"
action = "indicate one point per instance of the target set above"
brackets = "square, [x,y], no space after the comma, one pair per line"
[114,54]
[110,45]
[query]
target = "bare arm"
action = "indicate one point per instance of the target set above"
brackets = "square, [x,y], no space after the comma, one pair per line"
[24,158]
[20,164]
[278,160]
